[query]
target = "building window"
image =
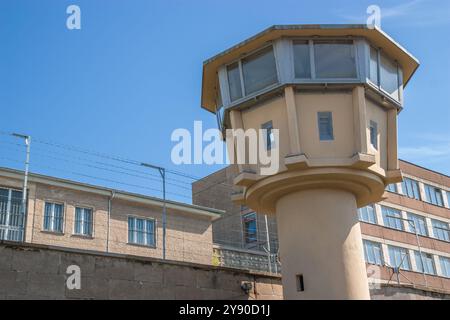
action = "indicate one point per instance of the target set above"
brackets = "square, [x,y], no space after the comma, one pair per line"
[83,221]
[269,137]
[325,124]
[53,217]
[234,81]
[372,252]
[411,188]
[441,230]
[12,219]
[373,70]
[250,230]
[445,266]
[392,188]
[259,71]
[335,59]
[392,218]
[389,76]
[399,258]
[425,260]
[434,195]
[367,214]
[374,134]
[141,231]
[302,62]
[448,198]
[417,223]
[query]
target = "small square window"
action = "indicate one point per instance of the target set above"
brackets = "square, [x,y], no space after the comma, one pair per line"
[325,124]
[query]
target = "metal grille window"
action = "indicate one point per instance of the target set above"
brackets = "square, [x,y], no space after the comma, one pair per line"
[427,260]
[392,218]
[141,231]
[367,214]
[250,230]
[392,187]
[445,266]
[411,188]
[325,124]
[420,224]
[399,258]
[54,217]
[12,219]
[434,195]
[83,221]
[373,252]
[441,230]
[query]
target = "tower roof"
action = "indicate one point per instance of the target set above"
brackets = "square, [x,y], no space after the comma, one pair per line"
[375,36]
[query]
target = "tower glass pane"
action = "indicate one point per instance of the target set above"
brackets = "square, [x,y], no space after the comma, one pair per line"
[335,59]
[259,71]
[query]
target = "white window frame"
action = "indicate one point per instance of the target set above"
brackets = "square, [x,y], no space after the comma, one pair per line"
[82,234]
[146,245]
[52,217]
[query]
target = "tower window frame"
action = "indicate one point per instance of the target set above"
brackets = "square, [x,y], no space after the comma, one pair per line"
[239,64]
[325,125]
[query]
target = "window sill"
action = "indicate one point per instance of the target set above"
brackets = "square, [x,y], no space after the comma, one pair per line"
[55,233]
[82,236]
[141,245]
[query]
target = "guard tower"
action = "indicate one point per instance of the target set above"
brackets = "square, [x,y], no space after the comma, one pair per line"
[334,93]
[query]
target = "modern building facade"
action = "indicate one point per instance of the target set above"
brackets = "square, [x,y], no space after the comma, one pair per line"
[74,215]
[419,203]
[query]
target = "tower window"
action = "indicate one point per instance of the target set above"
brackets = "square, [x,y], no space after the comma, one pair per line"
[269,137]
[325,124]
[335,59]
[374,134]
[300,283]
[302,62]
[234,81]
[259,71]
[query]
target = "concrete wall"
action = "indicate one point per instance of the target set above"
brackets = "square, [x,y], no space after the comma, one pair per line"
[39,272]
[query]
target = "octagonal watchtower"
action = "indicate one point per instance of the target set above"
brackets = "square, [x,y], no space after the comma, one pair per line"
[334,93]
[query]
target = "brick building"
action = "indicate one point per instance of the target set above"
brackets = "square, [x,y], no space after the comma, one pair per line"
[75,215]
[389,237]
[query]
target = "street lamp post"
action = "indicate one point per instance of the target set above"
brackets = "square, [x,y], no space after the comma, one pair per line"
[162,172]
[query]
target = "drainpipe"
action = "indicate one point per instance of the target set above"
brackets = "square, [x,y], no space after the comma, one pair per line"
[113,194]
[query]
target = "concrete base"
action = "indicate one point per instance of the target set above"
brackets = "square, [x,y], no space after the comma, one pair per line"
[320,239]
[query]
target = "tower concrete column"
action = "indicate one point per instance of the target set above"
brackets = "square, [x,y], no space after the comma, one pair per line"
[320,240]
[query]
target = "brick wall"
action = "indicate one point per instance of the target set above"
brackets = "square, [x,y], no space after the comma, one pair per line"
[30,271]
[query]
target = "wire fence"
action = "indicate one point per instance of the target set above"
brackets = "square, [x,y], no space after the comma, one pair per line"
[122,173]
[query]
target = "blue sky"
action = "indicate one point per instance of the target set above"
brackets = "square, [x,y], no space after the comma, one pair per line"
[132,74]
